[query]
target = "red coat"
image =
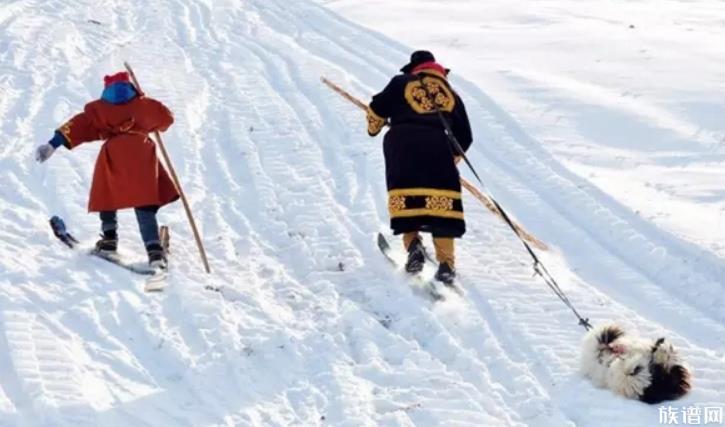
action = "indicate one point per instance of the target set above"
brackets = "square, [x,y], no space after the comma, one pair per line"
[128,173]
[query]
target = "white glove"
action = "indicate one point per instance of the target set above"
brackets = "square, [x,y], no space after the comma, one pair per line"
[44,152]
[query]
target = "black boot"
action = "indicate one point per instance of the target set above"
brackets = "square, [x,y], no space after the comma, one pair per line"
[445,274]
[108,242]
[416,257]
[157,257]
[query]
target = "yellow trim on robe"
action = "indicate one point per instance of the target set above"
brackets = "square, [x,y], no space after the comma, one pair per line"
[65,131]
[425,192]
[423,212]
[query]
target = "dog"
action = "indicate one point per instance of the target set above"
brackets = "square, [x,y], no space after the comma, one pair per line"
[633,367]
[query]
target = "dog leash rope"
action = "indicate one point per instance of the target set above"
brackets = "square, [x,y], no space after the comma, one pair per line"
[539,267]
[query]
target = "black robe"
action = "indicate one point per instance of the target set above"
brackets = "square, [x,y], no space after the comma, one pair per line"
[424,188]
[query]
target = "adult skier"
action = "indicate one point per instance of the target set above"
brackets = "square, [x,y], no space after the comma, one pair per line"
[424,189]
[128,173]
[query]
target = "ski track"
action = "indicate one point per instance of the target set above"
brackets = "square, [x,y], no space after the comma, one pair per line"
[310,326]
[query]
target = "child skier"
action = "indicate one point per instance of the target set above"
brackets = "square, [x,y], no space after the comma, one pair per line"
[424,189]
[128,173]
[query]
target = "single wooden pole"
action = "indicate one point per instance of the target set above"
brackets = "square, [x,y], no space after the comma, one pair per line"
[170,166]
[467,185]
[344,94]
[489,204]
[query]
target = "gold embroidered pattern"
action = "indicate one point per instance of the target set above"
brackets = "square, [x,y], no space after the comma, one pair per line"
[456,195]
[396,204]
[412,202]
[439,203]
[375,123]
[65,131]
[421,103]
[427,212]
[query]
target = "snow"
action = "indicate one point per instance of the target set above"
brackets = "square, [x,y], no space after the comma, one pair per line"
[310,326]
[627,95]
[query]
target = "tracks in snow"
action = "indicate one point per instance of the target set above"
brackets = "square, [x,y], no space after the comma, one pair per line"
[289,193]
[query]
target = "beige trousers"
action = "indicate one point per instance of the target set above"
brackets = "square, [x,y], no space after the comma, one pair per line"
[444,247]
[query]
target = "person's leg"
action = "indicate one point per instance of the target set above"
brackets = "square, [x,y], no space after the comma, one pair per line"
[149,228]
[446,257]
[445,250]
[109,229]
[147,225]
[109,223]
[409,238]
[416,255]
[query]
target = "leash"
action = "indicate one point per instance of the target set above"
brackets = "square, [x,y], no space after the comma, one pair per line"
[539,267]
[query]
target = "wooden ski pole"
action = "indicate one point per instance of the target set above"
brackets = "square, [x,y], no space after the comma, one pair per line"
[489,204]
[344,94]
[467,185]
[170,166]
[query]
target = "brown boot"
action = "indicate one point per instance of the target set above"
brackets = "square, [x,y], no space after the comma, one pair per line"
[108,242]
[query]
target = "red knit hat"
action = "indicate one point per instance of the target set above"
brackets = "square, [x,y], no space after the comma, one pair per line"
[115,78]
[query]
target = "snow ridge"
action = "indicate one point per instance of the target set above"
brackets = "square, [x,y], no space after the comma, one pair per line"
[310,326]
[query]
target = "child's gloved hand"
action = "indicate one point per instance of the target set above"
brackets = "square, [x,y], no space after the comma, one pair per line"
[43,152]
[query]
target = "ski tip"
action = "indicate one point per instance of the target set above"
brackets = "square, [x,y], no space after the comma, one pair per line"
[60,231]
[382,241]
[56,223]
[157,282]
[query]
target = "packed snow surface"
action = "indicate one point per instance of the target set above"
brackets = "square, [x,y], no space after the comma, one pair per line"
[305,323]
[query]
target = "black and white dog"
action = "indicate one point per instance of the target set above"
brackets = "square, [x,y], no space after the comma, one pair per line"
[646,370]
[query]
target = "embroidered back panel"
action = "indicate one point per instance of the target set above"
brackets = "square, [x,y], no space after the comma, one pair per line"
[421,103]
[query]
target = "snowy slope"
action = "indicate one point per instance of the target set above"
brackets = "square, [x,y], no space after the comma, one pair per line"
[310,327]
[627,94]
